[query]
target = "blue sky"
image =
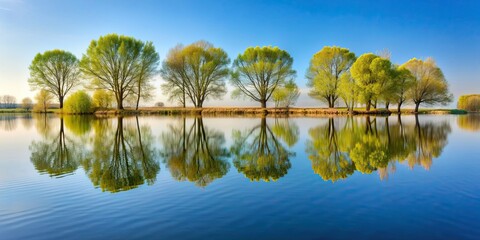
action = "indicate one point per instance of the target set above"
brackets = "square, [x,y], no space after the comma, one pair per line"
[448,31]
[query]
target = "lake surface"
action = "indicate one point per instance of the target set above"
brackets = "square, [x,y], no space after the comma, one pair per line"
[239,178]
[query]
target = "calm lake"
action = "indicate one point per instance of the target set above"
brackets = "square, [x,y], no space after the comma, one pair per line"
[239,178]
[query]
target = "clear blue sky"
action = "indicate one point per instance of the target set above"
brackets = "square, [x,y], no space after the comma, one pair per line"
[448,31]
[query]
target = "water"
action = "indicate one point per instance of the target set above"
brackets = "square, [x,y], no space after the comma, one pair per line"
[239,178]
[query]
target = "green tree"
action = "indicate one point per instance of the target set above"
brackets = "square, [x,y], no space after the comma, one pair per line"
[325,72]
[55,71]
[259,71]
[348,91]
[27,103]
[148,68]
[43,99]
[195,153]
[120,64]
[102,99]
[403,81]
[429,84]
[197,72]
[286,95]
[469,102]
[372,74]
[78,103]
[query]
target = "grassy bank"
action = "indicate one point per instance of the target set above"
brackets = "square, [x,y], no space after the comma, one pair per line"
[248,111]
[251,111]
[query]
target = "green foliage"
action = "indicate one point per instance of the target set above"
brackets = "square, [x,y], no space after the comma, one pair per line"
[55,71]
[78,103]
[197,72]
[372,76]
[325,72]
[348,91]
[429,84]
[102,99]
[120,64]
[286,95]
[402,83]
[259,71]
[469,102]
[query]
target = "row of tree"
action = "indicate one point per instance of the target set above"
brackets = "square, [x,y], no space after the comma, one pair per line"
[125,67]
[121,154]
[371,79]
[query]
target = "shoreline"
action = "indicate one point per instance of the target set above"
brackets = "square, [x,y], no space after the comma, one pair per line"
[248,111]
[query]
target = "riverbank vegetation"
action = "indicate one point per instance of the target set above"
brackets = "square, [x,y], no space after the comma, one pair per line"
[120,69]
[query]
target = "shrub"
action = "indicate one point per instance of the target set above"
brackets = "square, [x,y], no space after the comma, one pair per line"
[78,103]
[102,99]
[469,102]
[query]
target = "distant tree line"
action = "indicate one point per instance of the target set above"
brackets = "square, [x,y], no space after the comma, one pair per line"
[120,69]
[469,102]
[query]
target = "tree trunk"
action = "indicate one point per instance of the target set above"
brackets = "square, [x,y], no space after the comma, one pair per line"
[416,107]
[264,103]
[60,100]
[369,102]
[387,104]
[399,107]
[138,101]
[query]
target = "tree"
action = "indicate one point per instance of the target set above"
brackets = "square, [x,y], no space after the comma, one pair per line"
[286,95]
[469,102]
[8,101]
[325,71]
[55,71]
[78,103]
[259,71]
[120,64]
[429,84]
[371,74]
[102,99]
[27,103]
[149,60]
[403,82]
[348,91]
[44,99]
[197,72]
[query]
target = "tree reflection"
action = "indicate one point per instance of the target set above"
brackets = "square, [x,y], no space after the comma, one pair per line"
[258,153]
[123,157]
[430,138]
[55,154]
[8,122]
[195,153]
[371,146]
[469,122]
[325,151]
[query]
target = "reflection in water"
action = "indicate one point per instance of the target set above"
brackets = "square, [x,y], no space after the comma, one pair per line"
[55,154]
[8,122]
[329,153]
[469,122]
[430,139]
[259,155]
[120,154]
[364,145]
[123,157]
[195,153]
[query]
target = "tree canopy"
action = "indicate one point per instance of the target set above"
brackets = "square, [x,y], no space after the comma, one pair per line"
[197,72]
[56,71]
[120,64]
[259,71]
[325,71]
[429,84]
